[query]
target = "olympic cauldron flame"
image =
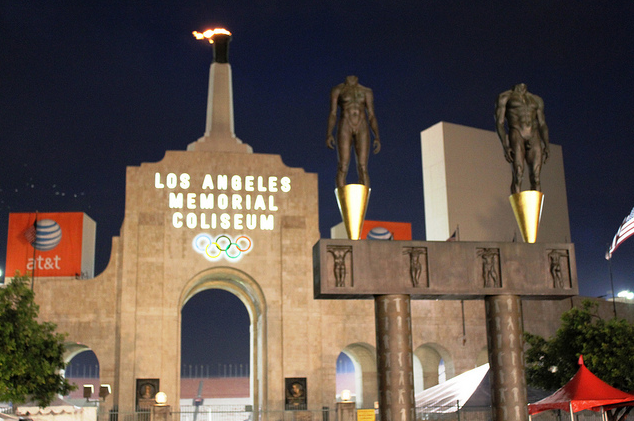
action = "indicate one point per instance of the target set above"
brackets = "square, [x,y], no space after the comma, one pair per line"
[209,34]
[220,43]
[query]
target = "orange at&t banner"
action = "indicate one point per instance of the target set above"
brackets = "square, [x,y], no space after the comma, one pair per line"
[46,244]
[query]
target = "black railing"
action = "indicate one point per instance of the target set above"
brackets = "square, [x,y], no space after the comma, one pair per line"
[245,413]
[198,371]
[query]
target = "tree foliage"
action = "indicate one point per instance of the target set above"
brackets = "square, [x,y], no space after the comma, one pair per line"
[31,353]
[607,347]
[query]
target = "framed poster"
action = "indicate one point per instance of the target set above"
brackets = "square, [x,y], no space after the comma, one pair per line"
[295,393]
[146,390]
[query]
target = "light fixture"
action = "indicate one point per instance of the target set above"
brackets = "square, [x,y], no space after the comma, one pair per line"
[104,391]
[161,398]
[88,390]
[345,395]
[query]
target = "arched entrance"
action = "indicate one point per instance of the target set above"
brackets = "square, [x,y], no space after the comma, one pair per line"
[434,364]
[82,369]
[215,350]
[363,357]
[250,294]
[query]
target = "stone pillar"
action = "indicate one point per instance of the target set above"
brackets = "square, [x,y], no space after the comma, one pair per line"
[161,413]
[394,357]
[506,357]
[346,411]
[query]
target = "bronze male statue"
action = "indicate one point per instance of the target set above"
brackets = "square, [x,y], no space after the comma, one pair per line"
[527,130]
[357,112]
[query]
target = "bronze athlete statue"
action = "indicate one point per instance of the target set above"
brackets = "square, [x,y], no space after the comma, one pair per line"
[527,131]
[357,118]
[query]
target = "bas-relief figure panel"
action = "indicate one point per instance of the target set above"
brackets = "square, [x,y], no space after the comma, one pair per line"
[456,270]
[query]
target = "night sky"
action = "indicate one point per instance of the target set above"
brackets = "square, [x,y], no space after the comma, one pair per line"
[88,88]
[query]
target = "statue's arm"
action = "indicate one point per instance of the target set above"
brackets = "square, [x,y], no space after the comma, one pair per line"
[332,117]
[374,125]
[500,111]
[543,127]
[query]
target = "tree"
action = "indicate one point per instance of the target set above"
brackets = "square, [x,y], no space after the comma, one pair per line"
[607,347]
[31,353]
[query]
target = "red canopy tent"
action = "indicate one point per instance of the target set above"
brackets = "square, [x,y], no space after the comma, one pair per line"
[583,391]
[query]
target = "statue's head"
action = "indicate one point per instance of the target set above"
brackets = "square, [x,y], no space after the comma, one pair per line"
[352,80]
[520,87]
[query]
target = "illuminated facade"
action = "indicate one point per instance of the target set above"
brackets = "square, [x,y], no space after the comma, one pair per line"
[219,216]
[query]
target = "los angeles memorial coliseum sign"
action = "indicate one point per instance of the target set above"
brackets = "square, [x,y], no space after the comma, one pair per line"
[249,198]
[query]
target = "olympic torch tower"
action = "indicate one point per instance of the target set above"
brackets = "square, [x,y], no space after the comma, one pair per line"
[219,131]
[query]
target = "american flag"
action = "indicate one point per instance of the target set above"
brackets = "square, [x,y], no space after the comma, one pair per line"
[31,233]
[626,230]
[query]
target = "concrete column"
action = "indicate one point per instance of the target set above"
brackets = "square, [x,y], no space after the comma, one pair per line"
[161,413]
[394,357]
[346,411]
[506,357]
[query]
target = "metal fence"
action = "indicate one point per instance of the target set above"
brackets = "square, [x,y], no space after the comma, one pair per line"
[222,413]
[559,415]
[484,414]
[81,371]
[219,370]
[9,410]
[453,413]
[213,413]
[242,413]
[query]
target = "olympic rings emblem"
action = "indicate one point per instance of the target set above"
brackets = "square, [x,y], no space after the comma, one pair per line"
[222,246]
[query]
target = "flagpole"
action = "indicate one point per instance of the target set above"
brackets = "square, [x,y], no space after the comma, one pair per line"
[464,330]
[612,284]
[33,245]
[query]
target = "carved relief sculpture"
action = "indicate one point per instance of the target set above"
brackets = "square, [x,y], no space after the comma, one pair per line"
[415,265]
[490,267]
[339,254]
[556,269]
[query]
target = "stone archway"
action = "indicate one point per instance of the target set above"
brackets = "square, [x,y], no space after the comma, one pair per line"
[76,369]
[73,349]
[249,292]
[430,356]
[363,357]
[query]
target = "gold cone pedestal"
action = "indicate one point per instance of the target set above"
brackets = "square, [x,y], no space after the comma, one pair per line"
[527,207]
[353,202]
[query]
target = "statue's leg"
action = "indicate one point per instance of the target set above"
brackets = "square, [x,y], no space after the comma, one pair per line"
[534,161]
[362,152]
[343,150]
[518,174]
[517,146]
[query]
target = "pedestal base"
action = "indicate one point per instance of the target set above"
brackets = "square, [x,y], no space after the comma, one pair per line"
[527,207]
[161,413]
[346,411]
[353,202]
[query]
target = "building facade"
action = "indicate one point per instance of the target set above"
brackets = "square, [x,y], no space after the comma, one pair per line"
[220,216]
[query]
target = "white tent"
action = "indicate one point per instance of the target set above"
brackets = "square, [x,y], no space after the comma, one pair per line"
[447,396]
[470,390]
[58,410]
